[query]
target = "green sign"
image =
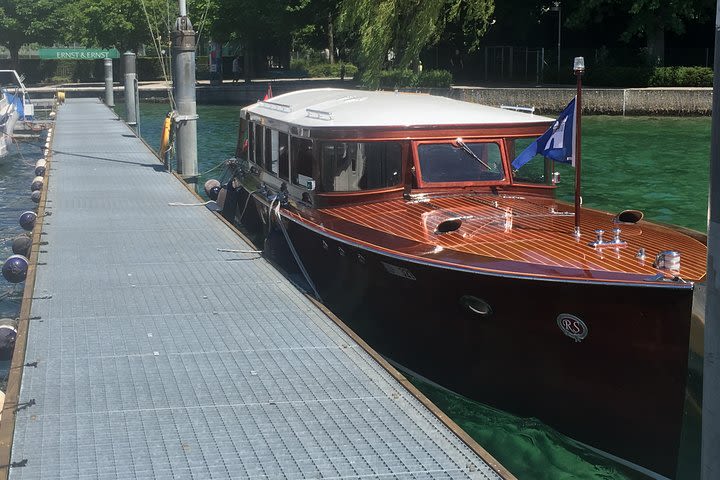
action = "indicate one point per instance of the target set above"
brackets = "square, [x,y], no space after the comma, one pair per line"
[77,53]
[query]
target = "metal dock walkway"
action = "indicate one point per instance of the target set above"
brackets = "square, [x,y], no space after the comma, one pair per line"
[150,354]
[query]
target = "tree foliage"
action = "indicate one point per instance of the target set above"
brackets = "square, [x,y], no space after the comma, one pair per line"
[23,22]
[124,24]
[649,19]
[402,28]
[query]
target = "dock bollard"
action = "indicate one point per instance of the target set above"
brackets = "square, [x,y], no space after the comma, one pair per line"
[109,97]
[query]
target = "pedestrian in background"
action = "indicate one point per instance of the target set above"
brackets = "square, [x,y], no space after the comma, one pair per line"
[236,69]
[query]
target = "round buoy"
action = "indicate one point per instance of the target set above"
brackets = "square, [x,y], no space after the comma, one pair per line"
[15,269]
[21,245]
[40,167]
[8,334]
[27,220]
[35,196]
[52,114]
[37,183]
[209,185]
[214,192]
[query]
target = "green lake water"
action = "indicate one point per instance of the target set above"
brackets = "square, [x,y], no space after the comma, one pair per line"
[657,165]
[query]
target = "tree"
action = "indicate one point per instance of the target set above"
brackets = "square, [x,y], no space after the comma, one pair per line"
[396,31]
[124,24]
[262,26]
[314,26]
[23,22]
[647,18]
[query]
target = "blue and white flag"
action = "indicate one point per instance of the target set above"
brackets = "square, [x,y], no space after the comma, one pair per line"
[557,143]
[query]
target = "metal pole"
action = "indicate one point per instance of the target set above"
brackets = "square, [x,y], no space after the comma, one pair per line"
[559,30]
[183,52]
[579,68]
[710,464]
[136,91]
[130,81]
[109,97]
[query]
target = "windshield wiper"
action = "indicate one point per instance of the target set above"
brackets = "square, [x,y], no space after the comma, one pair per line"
[467,150]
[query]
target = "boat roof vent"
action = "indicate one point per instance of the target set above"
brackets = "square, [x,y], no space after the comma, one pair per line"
[518,108]
[280,107]
[318,114]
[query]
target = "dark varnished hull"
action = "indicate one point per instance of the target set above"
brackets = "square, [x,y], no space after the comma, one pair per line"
[621,389]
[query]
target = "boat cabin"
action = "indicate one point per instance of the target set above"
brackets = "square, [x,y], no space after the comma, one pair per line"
[332,146]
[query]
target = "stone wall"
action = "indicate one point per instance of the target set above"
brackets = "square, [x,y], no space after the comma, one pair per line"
[547,101]
[631,101]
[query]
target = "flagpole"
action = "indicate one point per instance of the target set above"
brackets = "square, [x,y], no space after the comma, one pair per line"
[710,461]
[579,68]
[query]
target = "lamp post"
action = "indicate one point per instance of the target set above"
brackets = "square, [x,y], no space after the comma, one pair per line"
[557,8]
[579,69]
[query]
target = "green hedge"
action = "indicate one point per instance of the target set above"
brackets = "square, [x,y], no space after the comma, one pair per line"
[406,78]
[435,79]
[306,68]
[624,77]
[38,71]
[681,77]
[628,77]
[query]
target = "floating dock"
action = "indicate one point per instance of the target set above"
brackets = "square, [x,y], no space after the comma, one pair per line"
[146,352]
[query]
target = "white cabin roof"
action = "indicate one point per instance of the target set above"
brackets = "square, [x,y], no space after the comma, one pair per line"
[334,107]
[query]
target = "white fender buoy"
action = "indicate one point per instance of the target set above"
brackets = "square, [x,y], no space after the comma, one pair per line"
[212,188]
[37,183]
[40,167]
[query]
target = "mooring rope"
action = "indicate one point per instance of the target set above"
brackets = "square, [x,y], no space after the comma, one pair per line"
[293,251]
[232,250]
[158,48]
[247,201]
[178,204]
[202,24]
[213,168]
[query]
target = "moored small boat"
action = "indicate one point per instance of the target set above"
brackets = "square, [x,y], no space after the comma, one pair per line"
[404,215]
[14,106]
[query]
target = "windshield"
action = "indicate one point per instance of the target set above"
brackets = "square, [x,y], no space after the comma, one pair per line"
[538,170]
[460,161]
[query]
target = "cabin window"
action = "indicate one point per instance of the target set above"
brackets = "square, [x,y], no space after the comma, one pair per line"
[241,149]
[538,170]
[272,162]
[451,162]
[353,166]
[302,159]
[257,144]
[283,157]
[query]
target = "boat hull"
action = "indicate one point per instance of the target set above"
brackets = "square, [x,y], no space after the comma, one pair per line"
[615,381]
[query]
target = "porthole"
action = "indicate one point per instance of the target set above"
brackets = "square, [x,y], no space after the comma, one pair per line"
[447,226]
[476,305]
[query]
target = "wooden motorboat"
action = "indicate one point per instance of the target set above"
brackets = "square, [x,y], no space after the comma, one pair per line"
[402,213]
